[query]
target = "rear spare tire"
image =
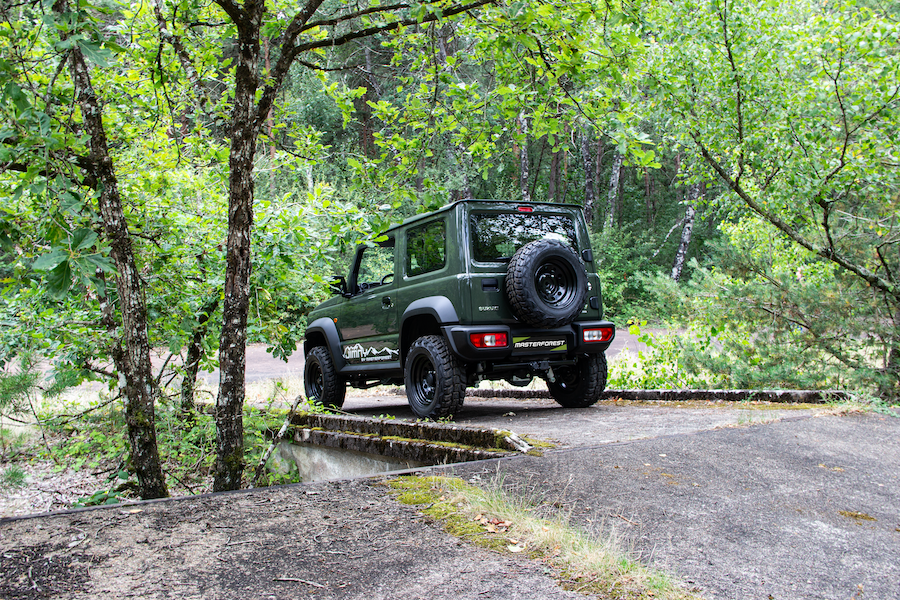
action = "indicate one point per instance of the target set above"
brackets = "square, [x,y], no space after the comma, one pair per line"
[546,284]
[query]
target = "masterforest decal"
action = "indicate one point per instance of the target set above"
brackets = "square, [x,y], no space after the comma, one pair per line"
[360,353]
[530,343]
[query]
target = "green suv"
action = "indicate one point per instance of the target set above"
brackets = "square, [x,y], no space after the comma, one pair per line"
[476,290]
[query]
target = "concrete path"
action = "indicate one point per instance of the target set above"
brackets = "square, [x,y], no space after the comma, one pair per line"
[808,507]
[741,507]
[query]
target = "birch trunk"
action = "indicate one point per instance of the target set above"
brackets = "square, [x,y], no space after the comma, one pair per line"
[613,190]
[694,193]
[523,158]
[590,186]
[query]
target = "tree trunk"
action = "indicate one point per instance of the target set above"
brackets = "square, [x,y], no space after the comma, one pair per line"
[229,465]
[648,198]
[564,187]
[523,158]
[194,354]
[138,385]
[553,177]
[686,231]
[590,186]
[613,190]
[890,389]
[246,122]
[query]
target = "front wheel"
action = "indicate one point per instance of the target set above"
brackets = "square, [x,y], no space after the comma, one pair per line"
[579,385]
[320,380]
[435,382]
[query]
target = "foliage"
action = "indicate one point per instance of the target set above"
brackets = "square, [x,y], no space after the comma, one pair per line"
[470,96]
[97,441]
[795,108]
[15,387]
[662,365]
[719,340]
[113,495]
[620,256]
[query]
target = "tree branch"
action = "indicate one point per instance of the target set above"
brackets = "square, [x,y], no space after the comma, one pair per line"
[723,17]
[183,57]
[290,50]
[237,14]
[829,253]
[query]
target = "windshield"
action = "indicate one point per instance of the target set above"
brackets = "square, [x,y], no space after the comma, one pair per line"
[496,237]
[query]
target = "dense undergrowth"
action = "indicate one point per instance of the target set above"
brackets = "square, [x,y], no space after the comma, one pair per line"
[95,439]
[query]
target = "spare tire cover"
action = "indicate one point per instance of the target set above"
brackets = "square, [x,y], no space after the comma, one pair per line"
[546,283]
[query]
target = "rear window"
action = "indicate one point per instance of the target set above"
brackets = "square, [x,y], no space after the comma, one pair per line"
[496,237]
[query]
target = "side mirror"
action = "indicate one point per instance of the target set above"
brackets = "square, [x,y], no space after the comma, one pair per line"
[338,286]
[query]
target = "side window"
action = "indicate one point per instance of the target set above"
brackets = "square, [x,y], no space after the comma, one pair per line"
[377,265]
[426,248]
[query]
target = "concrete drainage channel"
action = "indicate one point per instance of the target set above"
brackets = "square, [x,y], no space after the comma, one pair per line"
[338,447]
[327,447]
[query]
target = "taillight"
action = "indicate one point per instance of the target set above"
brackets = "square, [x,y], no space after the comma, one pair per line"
[488,340]
[604,334]
[526,209]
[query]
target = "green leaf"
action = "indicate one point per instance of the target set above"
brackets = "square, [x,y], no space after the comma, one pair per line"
[83,239]
[50,260]
[96,53]
[59,279]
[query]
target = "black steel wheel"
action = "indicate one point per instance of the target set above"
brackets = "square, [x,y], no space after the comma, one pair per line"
[579,385]
[546,284]
[435,382]
[320,380]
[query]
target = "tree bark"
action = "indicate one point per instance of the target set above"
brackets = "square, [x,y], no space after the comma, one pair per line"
[194,354]
[613,190]
[229,465]
[524,176]
[553,177]
[687,230]
[590,186]
[138,386]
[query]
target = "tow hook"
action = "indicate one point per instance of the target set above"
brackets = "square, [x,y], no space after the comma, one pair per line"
[544,366]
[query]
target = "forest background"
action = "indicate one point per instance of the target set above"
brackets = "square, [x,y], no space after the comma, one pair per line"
[187,174]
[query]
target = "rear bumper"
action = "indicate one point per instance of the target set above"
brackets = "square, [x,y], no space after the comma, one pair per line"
[528,344]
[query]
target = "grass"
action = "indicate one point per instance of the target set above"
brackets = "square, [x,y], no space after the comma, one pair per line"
[12,477]
[488,518]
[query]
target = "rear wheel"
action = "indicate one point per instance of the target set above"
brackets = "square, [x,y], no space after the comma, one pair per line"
[579,385]
[435,382]
[320,380]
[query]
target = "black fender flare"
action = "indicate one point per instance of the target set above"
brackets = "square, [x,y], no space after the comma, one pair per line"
[438,307]
[328,329]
